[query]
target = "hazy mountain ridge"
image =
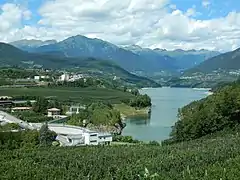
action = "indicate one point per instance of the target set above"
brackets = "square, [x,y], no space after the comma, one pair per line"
[186,59]
[12,56]
[30,45]
[81,46]
[227,61]
[133,57]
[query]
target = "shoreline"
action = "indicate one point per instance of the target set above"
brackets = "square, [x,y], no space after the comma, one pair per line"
[128,111]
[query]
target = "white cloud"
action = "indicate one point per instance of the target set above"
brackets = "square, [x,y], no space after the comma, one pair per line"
[10,17]
[205,3]
[27,14]
[150,23]
[191,12]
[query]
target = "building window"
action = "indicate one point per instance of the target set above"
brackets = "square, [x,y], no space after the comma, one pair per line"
[93,135]
[93,141]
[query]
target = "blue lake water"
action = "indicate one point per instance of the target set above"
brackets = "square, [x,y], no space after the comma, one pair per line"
[165,104]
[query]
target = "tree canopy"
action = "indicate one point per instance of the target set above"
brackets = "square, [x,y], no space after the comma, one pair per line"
[214,113]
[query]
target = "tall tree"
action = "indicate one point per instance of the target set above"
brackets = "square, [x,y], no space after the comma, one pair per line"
[40,105]
[46,137]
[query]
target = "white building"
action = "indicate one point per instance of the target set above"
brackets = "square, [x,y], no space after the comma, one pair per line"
[64,77]
[37,78]
[54,113]
[77,136]
[19,109]
[74,110]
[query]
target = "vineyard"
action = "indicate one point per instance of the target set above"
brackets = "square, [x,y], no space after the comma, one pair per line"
[70,94]
[212,158]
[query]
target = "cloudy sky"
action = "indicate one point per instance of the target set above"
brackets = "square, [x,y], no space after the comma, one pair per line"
[169,24]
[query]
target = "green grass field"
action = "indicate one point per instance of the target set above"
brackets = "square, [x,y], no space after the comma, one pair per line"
[69,93]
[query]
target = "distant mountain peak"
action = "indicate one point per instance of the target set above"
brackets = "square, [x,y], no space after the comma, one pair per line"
[160,50]
[133,47]
[29,44]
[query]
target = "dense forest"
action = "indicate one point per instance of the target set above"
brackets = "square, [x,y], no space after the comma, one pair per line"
[214,113]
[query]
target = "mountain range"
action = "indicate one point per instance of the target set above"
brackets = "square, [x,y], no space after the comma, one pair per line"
[227,61]
[12,56]
[180,59]
[29,45]
[132,58]
[190,58]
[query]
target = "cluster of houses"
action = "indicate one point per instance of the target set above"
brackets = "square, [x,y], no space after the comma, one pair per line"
[63,77]
[72,77]
[66,135]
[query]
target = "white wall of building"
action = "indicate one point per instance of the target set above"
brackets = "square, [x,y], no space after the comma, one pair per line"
[74,135]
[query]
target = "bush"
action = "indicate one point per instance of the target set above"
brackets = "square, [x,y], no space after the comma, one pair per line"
[126,139]
[154,143]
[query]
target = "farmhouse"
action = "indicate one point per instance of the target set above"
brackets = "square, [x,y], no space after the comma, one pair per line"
[54,113]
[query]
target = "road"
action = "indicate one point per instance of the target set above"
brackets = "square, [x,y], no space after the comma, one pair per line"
[9,118]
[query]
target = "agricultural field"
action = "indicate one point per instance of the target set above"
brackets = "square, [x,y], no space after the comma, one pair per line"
[71,94]
[215,157]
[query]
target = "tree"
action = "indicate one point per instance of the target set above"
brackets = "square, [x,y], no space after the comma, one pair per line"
[77,119]
[28,103]
[46,137]
[210,115]
[135,92]
[40,105]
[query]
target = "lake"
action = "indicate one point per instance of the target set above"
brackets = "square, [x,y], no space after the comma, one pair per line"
[165,104]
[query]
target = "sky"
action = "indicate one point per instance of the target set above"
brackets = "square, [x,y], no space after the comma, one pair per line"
[166,24]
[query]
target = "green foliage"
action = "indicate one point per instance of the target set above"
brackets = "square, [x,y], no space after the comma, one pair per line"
[41,105]
[21,139]
[68,94]
[212,114]
[31,116]
[83,83]
[98,113]
[30,139]
[139,101]
[103,114]
[46,137]
[77,119]
[14,73]
[4,82]
[135,92]
[126,139]
[215,157]
[154,143]
[9,127]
